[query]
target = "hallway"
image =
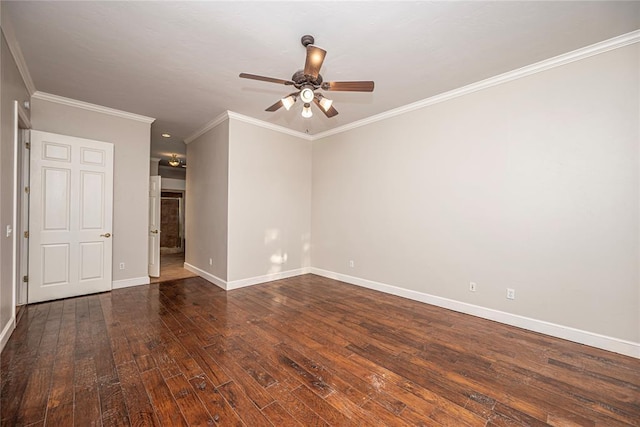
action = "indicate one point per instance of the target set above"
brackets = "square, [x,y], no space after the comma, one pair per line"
[171,268]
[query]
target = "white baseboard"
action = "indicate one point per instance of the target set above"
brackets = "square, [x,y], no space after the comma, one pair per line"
[235,284]
[207,276]
[616,345]
[241,283]
[6,332]
[126,283]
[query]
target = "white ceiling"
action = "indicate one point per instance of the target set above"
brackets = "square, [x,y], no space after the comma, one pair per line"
[179,61]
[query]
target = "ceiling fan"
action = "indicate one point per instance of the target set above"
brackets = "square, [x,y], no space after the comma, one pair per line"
[308,81]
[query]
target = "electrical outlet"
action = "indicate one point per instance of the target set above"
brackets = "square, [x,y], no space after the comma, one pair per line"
[351,264]
[210,261]
[122,266]
[472,286]
[511,293]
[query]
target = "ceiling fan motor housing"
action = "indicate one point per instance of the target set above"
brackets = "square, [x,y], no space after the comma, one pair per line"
[306,40]
[300,79]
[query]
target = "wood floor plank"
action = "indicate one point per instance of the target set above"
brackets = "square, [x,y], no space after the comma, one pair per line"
[211,398]
[86,396]
[139,407]
[192,408]
[38,385]
[204,360]
[278,416]
[299,351]
[320,406]
[164,404]
[61,414]
[244,407]
[250,386]
[294,406]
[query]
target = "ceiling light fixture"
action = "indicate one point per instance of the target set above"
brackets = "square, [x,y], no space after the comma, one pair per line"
[166,135]
[325,103]
[306,95]
[288,102]
[174,161]
[306,111]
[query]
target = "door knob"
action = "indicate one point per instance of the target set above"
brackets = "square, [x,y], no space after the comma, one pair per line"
[154,231]
[107,235]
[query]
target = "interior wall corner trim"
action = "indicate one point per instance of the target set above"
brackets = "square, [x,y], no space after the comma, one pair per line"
[207,276]
[538,67]
[270,126]
[91,107]
[16,52]
[616,345]
[127,283]
[207,127]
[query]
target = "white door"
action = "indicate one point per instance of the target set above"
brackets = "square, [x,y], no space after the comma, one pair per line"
[154,226]
[71,204]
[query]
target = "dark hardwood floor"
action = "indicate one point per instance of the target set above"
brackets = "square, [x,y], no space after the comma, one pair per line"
[305,351]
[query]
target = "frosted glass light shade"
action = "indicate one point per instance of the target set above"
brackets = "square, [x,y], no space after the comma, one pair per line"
[306,111]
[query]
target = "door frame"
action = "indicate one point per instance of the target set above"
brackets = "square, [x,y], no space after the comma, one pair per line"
[22,125]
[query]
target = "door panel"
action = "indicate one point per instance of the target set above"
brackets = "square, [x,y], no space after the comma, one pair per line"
[55,264]
[71,202]
[91,200]
[56,196]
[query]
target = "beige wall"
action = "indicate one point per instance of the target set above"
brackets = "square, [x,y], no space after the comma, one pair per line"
[206,207]
[269,201]
[531,185]
[131,139]
[249,204]
[12,88]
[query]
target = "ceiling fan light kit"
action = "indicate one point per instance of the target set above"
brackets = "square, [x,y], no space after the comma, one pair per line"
[308,81]
[306,111]
[325,103]
[288,102]
[174,161]
[306,95]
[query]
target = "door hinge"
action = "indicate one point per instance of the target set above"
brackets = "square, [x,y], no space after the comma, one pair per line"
[28,145]
[25,279]
[26,234]
[26,190]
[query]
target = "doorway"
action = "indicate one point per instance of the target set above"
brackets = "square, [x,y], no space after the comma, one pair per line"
[172,237]
[171,222]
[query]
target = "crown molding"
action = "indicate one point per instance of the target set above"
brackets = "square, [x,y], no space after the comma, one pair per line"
[246,119]
[16,52]
[207,127]
[91,107]
[556,61]
[269,126]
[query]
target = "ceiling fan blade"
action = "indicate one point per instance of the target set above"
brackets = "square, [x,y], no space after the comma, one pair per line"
[313,63]
[348,86]
[275,106]
[266,79]
[331,112]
